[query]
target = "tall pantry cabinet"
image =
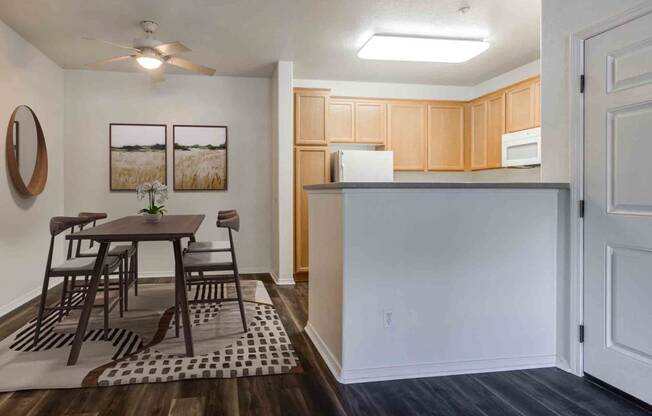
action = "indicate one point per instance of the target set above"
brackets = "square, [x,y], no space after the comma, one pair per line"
[311,163]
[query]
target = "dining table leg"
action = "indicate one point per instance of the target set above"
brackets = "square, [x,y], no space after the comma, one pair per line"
[193,239]
[91,292]
[182,297]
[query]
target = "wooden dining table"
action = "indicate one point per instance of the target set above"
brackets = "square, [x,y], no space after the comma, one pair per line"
[134,229]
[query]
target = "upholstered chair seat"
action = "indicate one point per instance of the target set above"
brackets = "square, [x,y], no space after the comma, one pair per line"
[206,246]
[202,261]
[114,250]
[81,266]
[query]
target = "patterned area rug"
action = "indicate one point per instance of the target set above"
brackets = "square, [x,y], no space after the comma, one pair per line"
[141,347]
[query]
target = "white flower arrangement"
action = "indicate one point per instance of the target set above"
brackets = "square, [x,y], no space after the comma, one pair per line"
[157,193]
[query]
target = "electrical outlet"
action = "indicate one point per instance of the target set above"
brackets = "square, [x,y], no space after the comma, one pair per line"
[387,318]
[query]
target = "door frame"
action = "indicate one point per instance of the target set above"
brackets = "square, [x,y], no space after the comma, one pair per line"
[577,115]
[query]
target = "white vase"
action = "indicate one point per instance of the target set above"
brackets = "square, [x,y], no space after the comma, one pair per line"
[152,218]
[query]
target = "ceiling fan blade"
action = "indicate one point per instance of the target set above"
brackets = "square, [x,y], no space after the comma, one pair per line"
[156,75]
[172,48]
[107,61]
[190,66]
[112,44]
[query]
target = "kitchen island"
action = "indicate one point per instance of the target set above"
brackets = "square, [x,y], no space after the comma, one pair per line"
[421,279]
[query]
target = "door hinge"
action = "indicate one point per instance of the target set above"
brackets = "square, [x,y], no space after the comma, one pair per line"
[581,333]
[580,208]
[582,81]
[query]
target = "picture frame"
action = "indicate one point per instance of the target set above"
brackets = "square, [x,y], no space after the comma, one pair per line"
[200,157]
[137,154]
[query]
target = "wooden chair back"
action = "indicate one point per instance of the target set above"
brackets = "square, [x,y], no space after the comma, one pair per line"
[226,214]
[230,220]
[95,216]
[61,224]
[57,226]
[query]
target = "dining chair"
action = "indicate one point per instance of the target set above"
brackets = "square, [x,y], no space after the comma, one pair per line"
[211,246]
[72,267]
[215,257]
[128,254]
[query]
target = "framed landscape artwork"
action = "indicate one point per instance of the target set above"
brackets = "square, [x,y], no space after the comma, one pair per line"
[137,155]
[200,158]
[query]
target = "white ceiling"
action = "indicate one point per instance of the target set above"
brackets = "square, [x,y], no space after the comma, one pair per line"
[322,37]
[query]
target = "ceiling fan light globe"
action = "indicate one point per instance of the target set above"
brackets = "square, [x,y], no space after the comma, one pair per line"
[149,62]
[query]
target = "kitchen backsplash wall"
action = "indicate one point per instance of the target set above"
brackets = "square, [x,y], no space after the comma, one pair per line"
[492,175]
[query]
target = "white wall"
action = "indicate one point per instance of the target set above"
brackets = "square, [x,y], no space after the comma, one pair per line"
[560,19]
[275,167]
[389,90]
[470,280]
[508,78]
[28,77]
[489,175]
[421,91]
[93,99]
[282,155]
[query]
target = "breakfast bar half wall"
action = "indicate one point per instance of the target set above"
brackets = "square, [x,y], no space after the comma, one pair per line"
[423,279]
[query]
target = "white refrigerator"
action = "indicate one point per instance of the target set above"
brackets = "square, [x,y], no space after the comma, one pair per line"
[362,166]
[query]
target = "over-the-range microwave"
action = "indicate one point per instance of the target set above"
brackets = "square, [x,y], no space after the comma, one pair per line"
[522,148]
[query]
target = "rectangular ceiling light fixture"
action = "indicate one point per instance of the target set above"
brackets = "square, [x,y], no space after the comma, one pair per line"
[418,49]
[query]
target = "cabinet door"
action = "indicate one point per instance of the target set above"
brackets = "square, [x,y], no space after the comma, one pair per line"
[370,121]
[495,130]
[340,121]
[445,137]
[311,166]
[407,135]
[520,107]
[310,117]
[537,103]
[479,135]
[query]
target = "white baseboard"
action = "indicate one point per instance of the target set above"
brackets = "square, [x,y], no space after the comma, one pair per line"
[255,270]
[151,275]
[562,364]
[21,300]
[331,362]
[170,273]
[362,375]
[287,281]
[445,369]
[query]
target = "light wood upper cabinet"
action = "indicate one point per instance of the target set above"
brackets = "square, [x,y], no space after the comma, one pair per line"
[446,136]
[407,135]
[357,121]
[370,122]
[310,108]
[340,126]
[311,166]
[495,129]
[424,135]
[522,106]
[478,139]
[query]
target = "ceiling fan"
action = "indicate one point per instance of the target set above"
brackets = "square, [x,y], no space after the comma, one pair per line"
[151,54]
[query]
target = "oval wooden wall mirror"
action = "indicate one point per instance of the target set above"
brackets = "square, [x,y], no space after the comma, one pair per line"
[27,155]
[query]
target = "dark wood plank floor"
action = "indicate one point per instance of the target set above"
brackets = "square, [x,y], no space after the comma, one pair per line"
[546,392]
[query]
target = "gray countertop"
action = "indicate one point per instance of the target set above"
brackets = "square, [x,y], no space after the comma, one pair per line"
[434,185]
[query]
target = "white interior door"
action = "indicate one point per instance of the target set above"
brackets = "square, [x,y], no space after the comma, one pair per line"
[618,216]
